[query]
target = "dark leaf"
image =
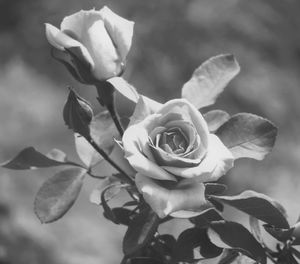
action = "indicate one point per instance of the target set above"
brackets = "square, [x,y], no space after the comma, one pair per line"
[210,79]
[258,205]
[161,248]
[215,119]
[108,193]
[295,252]
[66,59]
[58,194]
[167,244]
[103,132]
[121,215]
[81,65]
[228,256]
[130,203]
[192,239]
[140,231]
[242,259]
[248,136]
[232,235]
[29,158]
[206,218]
[280,234]
[145,260]
[214,188]
[287,258]
[296,233]
[219,206]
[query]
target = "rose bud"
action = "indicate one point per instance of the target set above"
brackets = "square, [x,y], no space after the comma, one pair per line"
[174,154]
[78,114]
[92,44]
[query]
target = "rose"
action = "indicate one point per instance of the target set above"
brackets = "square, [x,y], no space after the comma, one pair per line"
[98,42]
[173,154]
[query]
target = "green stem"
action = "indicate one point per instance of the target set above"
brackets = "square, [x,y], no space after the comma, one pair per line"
[108,159]
[96,176]
[112,110]
[106,98]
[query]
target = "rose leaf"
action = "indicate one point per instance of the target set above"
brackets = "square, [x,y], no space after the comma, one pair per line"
[111,185]
[225,234]
[144,260]
[192,240]
[121,215]
[215,188]
[58,194]
[281,234]
[228,256]
[29,158]
[248,136]
[165,245]
[107,194]
[215,119]
[203,220]
[140,231]
[124,88]
[103,131]
[296,233]
[257,205]
[210,79]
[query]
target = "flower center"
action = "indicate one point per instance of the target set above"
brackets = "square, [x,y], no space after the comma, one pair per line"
[173,141]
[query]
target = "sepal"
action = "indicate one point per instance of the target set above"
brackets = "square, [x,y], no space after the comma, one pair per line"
[78,114]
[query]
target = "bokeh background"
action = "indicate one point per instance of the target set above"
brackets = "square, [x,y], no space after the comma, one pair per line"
[172,38]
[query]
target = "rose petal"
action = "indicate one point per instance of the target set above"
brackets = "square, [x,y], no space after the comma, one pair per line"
[152,105]
[62,41]
[166,159]
[168,198]
[89,28]
[196,118]
[216,163]
[144,107]
[195,148]
[135,142]
[79,22]
[117,156]
[156,131]
[119,29]
[59,39]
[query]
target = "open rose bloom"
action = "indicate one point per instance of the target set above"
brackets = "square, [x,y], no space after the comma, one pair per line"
[174,154]
[98,42]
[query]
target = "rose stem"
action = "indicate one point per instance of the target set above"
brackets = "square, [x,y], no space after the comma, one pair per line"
[106,98]
[112,110]
[96,176]
[108,159]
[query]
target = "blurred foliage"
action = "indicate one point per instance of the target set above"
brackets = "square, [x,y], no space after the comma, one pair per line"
[172,37]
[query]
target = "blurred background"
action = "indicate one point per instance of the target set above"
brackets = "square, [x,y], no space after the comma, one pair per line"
[172,38]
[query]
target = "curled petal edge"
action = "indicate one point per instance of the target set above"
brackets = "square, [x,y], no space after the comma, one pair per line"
[183,199]
[216,163]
